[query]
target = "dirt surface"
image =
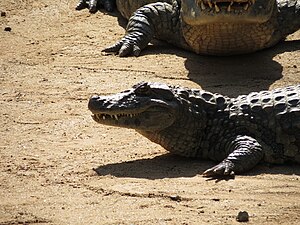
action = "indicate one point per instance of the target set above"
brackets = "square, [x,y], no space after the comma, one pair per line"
[60,167]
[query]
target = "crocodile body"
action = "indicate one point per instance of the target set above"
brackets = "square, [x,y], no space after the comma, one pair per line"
[237,132]
[213,27]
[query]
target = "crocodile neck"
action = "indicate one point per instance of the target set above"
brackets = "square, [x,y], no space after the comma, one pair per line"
[185,136]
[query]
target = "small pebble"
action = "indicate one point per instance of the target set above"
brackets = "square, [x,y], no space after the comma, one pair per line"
[242,216]
[175,198]
[7,29]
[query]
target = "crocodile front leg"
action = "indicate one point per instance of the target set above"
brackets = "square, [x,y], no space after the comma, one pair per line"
[93,5]
[159,20]
[246,152]
[288,20]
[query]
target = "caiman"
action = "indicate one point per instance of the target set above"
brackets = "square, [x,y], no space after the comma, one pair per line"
[236,132]
[212,27]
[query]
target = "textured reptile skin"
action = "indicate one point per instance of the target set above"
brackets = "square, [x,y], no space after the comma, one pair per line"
[204,27]
[238,132]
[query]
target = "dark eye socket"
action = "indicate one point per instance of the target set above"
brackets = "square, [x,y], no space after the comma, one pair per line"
[164,94]
[154,92]
[143,89]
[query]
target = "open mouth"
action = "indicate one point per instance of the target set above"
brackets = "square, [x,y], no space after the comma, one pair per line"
[104,116]
[226,5]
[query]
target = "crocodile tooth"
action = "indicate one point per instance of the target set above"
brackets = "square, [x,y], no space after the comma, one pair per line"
[116,117]
[217,8]
[131,115]
[103,117]
[202,6]
[209,4]
[229,8]
[246,6]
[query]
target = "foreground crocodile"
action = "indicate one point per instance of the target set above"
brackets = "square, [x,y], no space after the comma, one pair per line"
[213,27]
[237,132]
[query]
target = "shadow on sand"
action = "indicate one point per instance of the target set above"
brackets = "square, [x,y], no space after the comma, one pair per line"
[231,75]
[172,166]
[227,75]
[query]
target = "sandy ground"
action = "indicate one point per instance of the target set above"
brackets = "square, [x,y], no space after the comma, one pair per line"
[57,166]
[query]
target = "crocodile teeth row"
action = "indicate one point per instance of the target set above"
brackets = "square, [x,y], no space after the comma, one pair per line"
[217,8]
[114,116]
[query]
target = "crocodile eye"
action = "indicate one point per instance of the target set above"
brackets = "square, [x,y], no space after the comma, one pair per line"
[143,89]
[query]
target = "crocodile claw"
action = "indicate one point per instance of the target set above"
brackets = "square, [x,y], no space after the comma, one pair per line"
[124,48]
[81,5]
[94,5]
[225,168]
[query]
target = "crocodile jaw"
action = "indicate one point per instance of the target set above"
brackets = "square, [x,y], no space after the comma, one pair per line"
[200,12]
[150,120]
[142,114]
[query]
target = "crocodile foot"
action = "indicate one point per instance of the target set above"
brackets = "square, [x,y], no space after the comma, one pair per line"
[94,5]
[225,168]
[132,43]
[124,48]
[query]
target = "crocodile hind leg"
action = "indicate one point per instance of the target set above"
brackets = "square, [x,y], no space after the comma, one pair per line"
[160,20]
[246,152]
[93,5]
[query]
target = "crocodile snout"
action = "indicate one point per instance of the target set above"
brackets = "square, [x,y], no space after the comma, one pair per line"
[94,102]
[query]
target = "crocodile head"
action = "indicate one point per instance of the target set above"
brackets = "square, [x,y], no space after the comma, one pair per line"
[199,12]
[171,116]
[146,107]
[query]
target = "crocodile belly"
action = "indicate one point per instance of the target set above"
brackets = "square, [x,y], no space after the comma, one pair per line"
[227,39]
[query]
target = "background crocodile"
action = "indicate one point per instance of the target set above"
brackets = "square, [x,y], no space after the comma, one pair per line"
[239,132]
[214,27]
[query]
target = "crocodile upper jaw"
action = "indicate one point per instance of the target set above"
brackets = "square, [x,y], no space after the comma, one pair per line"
[147,115]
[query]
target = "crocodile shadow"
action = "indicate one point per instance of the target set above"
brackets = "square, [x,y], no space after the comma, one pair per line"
[228,75]
[231,75]
[172,166]
[240,74]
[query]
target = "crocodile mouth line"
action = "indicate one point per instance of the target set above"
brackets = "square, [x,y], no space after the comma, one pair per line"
[227,5]
[117,116]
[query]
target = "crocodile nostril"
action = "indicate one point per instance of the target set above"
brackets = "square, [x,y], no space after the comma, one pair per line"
[95,97]
[94,102]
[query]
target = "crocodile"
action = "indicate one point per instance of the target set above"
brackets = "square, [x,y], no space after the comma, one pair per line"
[210,27]
[237,133]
